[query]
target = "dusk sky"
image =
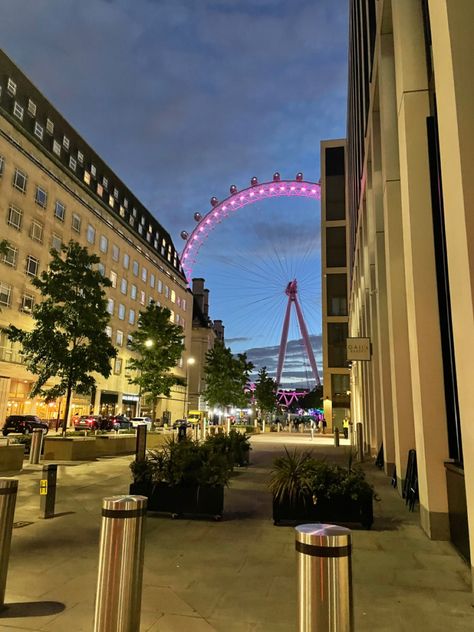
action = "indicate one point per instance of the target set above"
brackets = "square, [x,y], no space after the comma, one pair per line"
[183,98]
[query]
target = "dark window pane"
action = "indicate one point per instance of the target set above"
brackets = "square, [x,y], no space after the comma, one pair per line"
[335,197]
[337,334]
[336,247]
[336,287]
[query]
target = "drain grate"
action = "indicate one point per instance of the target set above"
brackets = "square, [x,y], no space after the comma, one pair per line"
[20,524]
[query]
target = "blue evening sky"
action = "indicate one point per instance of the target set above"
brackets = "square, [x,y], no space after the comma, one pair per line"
[183,98]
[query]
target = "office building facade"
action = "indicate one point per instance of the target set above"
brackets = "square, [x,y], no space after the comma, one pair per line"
[410,180]
[54,188]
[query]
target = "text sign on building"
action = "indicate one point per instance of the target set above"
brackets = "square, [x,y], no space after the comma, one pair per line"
[358,348]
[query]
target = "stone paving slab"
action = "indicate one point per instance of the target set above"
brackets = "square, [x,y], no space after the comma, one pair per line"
[237,575]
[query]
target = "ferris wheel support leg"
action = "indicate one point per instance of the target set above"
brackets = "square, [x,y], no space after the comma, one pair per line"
[283,341]
[309,349]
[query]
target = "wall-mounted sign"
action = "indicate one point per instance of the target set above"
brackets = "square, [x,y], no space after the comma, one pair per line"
[358,349]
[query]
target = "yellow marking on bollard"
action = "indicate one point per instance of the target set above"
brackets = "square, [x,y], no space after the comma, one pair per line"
[43,487]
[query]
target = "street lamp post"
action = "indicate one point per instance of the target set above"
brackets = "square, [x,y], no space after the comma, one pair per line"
[189,362]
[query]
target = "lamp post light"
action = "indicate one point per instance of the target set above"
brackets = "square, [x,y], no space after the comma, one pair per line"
[189,362]
[148,345]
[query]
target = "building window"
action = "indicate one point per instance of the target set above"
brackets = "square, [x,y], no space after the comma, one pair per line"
[116,194]
[76,222]
[90,234]
[131,317]
[31,107]
[336,247]
[41,197]
[72,163]
[113,278]
[56,242]
[110,306]
[126,261]
[87,177]
[11,87]
[111,201]
[2,164]
[133,292]
[119,338]
[39,130]
[10,255]
[100,189]
[20,180]
[159,287]
[93,170]
[337,334]
[56,148]
[80,157]
[105,183]
[36,231]
[18,111]
[59,210]
[27,302]
[49,126]
[14,217]
[167,291]
[135,268]
[121,311]
[336,291]
[144,274]
[5,294]
[108,331]
[173,296]
[152,280]
[66,143]
[101,268]
[118,366]
[123,286]
[129,340]
[32,266]
[142,297]
[103,243]
[171,316]
[115,252]
[183,304]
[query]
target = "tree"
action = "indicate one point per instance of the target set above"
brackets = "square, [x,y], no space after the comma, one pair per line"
[313,399]
[265,391]
[3,247]
[68,340]
[158,345]
[226,377]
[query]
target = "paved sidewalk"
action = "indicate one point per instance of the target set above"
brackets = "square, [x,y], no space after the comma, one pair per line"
[237,575]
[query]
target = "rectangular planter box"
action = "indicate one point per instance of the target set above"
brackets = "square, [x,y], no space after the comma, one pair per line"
[338,509]
[182,499]
[114,445]
[11,458]
[69,449]
[155,440]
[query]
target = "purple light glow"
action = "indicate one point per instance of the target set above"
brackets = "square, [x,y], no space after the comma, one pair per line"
[211,219]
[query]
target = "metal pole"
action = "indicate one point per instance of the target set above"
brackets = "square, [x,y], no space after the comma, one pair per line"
[336,437]
[35,448]
[140,444]
[359,442]
[324,578]
[48,490]
[119,582]
[8,491]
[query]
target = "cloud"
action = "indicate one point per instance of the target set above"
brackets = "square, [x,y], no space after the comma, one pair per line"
[241,339]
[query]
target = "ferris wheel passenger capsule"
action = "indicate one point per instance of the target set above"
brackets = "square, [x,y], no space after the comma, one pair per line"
[299,177]
[233,189]
[276,177]
[184,235]
[214,201]
[197,216]
[254,181]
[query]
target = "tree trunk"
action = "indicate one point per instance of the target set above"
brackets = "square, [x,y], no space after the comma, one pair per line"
[66,409]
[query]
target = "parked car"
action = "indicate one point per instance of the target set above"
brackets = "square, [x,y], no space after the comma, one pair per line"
[136,421]
[95,422]
[120,421]
[24,424]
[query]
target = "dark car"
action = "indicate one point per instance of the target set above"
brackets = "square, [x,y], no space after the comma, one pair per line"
[95,422]
[120,421]
[24,424]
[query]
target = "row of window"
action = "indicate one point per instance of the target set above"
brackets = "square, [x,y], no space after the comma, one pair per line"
[143,225]
[14,219]
[26,302]
[132,314]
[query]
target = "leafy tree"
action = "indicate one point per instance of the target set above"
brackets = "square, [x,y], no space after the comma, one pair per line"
[265,391]
[158,345]
[68,340]
[226,377]
[3,247]
[313,399]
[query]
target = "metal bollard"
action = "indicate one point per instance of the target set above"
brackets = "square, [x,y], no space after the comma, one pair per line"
[324,577]
[336,437]
[140,443]
[119,582]
[48,490]
[359,442]
[8,491]
[35,448]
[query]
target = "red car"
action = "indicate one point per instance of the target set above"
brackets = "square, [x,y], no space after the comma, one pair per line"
[95,422]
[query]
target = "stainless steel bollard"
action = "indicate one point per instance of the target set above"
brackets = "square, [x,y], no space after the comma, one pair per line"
[35,448]
[119,582]
[324,577]
[8,491]
[336,437]
[360,442]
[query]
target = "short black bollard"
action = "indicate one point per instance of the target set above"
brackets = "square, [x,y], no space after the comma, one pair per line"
[140,446]
[8,491]
[48,490]
[336,437]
